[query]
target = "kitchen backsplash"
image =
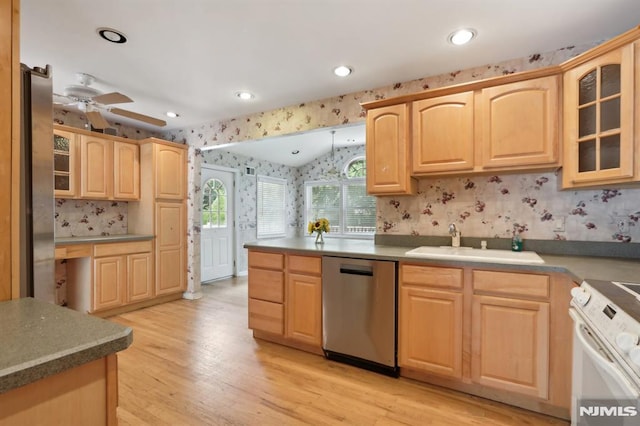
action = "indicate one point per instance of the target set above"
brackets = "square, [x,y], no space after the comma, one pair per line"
[490,206]
[82,218]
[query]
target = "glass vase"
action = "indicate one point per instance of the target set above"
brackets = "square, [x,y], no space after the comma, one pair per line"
[319,238]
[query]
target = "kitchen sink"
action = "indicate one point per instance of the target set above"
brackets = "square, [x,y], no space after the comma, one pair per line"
[475,255]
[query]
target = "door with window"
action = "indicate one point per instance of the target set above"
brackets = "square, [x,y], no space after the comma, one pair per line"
[217,237]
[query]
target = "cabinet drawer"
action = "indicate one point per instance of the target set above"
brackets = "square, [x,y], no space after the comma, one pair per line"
[259,259]
[73,251]
[266,285]
[432,276]
[304,264]
[266,316]
[511,283]
[115,249]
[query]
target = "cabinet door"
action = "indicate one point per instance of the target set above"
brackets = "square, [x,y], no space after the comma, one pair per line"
[388,151]
[126,171]
[430,331]
[170,248]
[170,172]
[96,161]
[443,136]
[510,345]
[64,164]
[108,282]
[519,125]
[598,120]
[304,308]
[139,277]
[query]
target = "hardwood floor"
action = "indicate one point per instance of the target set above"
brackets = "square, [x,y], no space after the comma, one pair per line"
[196,363]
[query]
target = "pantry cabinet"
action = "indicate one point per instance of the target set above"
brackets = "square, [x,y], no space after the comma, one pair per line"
[600,108]
[170,247]
[388,151]
[170,172]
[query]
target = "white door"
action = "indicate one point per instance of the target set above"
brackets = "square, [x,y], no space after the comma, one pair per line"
[217,242]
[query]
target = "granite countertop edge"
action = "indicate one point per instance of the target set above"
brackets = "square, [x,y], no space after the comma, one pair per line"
[102,239]
[577,267]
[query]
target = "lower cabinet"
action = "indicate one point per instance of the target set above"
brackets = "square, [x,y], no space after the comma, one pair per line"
[501,335]
[125,277]
[170,247]
[285,298]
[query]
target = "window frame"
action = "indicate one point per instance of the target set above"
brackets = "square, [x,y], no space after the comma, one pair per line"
[226,202]
[268,179]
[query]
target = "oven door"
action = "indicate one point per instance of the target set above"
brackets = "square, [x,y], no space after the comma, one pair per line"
[596,375]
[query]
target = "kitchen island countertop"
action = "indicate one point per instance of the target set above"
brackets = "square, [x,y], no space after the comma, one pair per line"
[578,267]
[40,339]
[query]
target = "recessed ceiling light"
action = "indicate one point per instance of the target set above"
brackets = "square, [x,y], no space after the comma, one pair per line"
[111,35]
[244,95]
[462,36]
[172,114]
[342,71]
[295,152]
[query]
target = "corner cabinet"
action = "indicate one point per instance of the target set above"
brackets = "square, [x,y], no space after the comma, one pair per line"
[600,106]
[388,151]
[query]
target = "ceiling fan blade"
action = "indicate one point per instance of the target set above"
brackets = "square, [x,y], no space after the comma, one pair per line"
[97,120]
[112,98]
[62,100]
[139,117]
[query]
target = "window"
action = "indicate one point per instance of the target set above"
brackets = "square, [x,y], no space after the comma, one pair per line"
[351,212]
[214,204]
[271,207]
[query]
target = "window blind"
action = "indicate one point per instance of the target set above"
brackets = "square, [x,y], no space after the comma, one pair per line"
[271,206]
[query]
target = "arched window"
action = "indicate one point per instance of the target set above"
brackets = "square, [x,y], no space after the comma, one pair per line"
[214,204]
[356,168]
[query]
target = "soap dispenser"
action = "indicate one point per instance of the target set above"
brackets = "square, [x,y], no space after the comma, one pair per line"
[516,239]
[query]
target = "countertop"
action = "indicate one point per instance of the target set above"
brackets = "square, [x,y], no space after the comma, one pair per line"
[102,239]
[578,267]
[40,339]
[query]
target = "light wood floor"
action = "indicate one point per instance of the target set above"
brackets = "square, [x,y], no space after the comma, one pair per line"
[196,363]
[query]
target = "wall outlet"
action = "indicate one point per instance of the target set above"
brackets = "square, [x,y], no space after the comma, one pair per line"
[558,224]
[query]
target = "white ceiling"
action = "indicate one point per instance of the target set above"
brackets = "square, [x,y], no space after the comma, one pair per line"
[310,145]
[191,56]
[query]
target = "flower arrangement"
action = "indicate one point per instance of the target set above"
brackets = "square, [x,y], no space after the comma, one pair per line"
[319,226]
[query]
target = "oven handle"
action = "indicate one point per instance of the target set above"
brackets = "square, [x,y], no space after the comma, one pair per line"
[601,359]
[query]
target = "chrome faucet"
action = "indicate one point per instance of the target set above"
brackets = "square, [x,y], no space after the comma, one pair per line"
[455,235]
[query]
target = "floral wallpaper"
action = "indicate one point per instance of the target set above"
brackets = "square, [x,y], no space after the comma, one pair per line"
[75,118]
[490,206]
[82,218]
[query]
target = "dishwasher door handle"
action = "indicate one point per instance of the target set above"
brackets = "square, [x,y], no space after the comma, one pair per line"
[351,271]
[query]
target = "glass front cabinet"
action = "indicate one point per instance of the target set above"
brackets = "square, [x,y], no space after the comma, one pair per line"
[64,164]
[599,120]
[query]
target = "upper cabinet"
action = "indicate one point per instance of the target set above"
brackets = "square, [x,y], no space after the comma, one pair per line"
[388,151]
[65,156]
[519,124]
[599,99]
[443,133]
[170,172]
[95,166]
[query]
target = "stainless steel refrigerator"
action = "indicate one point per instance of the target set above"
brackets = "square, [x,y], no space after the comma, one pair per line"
[37,257]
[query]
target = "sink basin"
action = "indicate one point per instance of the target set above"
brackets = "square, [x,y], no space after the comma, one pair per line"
[476,255]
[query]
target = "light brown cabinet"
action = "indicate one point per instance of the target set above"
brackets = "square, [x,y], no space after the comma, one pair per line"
[304,299]
[499,334]
[65,164]
[600,102]
[170,172]
[519,124]
[430,319]
[285,298]
[170,247]
[388,151]
[266,292]
[443,134]
[89,165]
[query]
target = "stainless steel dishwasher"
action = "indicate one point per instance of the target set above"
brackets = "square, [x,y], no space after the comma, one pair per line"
[359,312]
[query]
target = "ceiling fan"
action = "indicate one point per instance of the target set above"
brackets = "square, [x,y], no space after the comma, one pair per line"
[91,101]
